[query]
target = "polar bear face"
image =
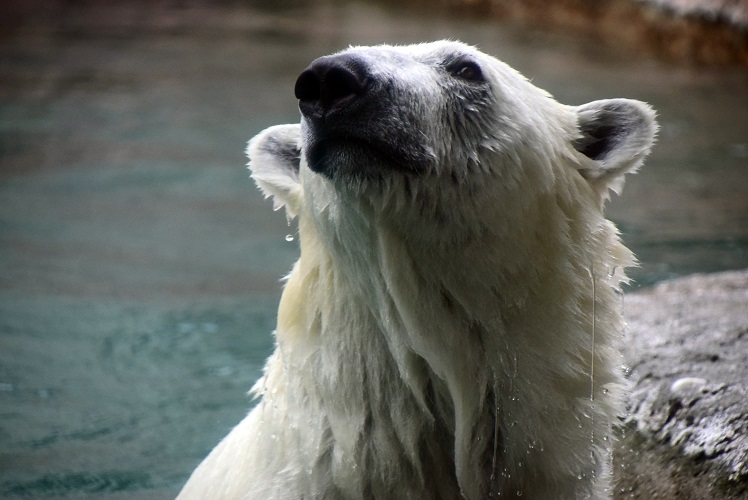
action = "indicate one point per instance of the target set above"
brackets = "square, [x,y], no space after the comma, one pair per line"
[370,112]
[439,123]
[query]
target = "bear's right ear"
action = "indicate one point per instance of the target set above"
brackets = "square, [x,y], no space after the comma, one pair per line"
[615,135]
[274,159]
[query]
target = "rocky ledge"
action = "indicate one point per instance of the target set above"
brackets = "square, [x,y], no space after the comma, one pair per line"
[699,31]
[686,434]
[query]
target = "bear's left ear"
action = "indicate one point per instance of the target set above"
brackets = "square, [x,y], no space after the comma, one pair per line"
[616,135]
[274,159]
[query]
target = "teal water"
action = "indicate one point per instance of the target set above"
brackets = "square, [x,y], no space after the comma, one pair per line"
[139,267]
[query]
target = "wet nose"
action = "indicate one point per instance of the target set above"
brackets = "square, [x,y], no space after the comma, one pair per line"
[330,84]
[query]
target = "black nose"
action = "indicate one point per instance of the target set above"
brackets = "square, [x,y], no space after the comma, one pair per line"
[329,84]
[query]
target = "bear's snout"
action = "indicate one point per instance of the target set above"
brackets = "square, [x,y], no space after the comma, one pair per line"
[355,125]
[330,86]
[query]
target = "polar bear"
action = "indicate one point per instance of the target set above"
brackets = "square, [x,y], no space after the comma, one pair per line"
[451,328]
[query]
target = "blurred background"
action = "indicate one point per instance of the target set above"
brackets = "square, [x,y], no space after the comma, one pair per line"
[140,268]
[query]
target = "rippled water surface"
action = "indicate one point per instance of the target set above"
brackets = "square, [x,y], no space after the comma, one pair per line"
[139,267]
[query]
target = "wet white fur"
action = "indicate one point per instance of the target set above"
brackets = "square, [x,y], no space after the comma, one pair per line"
[442,344]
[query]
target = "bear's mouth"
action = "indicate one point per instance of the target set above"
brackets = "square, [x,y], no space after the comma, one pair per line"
[348,155]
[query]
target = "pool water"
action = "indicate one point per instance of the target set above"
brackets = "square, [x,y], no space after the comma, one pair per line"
[140,269]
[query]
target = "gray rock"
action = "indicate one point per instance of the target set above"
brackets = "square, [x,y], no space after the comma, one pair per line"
[700,31]
[734,12]
[686,435]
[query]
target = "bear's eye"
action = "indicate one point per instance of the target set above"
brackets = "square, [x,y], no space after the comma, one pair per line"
[466,70]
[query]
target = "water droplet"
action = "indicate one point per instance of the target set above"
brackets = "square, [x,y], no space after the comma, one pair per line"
[289,237]
[519,493]
[605,391]
[273,437]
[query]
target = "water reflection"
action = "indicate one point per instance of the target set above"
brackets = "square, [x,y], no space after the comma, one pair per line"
[140,268]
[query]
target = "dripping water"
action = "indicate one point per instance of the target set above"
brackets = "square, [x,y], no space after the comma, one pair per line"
[495,448]
[492,481]
[594,320]
[592,362]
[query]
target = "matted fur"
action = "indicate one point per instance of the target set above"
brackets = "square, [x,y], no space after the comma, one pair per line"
[449,331]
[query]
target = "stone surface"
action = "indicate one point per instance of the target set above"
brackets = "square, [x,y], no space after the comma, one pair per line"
[686,435]
[734,12]
[698,31]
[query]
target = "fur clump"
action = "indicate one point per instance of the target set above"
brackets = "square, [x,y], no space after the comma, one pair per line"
[451,328]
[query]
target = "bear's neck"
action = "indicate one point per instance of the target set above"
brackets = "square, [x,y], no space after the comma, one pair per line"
[410,351]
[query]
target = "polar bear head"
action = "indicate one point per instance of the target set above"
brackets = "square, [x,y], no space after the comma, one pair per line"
[444,127]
